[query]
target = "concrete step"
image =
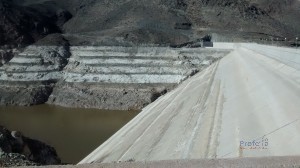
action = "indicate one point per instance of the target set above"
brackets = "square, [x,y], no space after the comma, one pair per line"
[123,54]
[28,54]
[130,69]
[29,71]
[26,68]
[129,57]
[137,61]
[171,55]
[147,51]
[121,49]
[30,76]
[121,78]
[136,65]
[27,64]
[25,60]
[119,73]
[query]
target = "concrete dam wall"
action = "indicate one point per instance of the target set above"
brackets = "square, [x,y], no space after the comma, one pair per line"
[99,77]
[244,105]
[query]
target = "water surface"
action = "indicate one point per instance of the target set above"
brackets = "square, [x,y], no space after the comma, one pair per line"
[73,132]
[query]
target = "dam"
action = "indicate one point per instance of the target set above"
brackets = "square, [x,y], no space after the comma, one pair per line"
[114,78]
[211,103]
[250,95]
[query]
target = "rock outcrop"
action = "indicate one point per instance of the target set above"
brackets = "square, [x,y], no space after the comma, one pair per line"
[23,24]
[18,150]
[5,56]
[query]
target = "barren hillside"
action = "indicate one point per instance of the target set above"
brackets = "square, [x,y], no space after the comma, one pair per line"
[157,21]
[24,24]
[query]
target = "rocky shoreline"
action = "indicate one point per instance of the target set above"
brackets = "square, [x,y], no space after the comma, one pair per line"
[104,96]
[19,150]
[24,93]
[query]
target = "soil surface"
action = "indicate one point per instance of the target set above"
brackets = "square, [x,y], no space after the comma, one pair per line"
[107,96]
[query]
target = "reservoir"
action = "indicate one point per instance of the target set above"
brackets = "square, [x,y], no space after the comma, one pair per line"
[73,132]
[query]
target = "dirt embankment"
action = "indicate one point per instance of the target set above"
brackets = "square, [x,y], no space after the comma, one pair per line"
[107,96]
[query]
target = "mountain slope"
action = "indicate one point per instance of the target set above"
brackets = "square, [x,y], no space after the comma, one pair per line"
[23,25]
[287,12]
[157,21]
[240,18]
[133,20]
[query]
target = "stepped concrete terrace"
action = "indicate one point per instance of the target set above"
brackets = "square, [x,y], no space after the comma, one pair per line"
[30,65]
[126,77]
[29,77]
[140,65]
[103,77]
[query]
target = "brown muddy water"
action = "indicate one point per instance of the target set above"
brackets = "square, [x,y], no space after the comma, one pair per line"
[73,132]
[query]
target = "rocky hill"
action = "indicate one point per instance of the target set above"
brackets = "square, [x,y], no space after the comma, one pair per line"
[23,24]
[140,21]
[286,12]
[176,21]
